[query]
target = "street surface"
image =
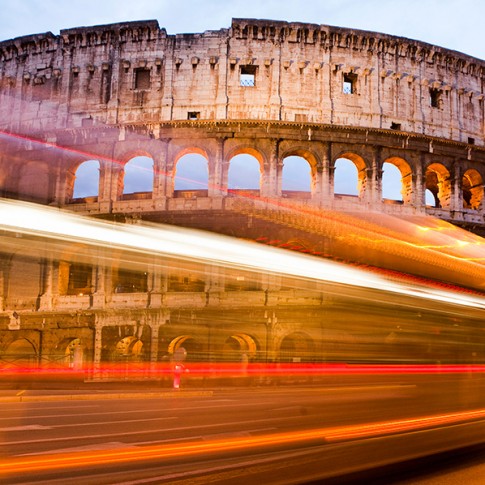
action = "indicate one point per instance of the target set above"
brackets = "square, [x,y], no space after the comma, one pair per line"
[274,435]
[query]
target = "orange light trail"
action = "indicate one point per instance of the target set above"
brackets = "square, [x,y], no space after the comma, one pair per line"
[59,461]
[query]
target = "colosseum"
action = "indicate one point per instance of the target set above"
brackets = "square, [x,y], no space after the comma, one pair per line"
[104,121]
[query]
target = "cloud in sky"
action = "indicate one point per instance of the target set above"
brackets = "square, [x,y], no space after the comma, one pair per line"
[455,24]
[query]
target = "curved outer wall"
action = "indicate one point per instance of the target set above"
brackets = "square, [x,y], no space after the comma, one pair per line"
[299,75]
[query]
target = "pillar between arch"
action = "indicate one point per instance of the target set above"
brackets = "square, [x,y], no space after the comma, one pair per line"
[456,202]
[160,174]
[218,171]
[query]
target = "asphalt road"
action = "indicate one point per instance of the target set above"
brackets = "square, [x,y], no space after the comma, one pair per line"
[290,434]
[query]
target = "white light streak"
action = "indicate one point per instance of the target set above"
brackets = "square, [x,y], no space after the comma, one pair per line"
[189,244]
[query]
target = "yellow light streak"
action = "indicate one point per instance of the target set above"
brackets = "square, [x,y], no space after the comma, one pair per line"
[38,463]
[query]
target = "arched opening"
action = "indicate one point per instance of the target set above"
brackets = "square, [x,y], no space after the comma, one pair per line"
[86,181]
[138,178]
[438,186]
[397,181]
[296,177]
[431,200]
[349,175]
[191,176]
[472,188]
[73,353]
[20,353]
[239,348]
[296,347]
[244,174]
[187,346]
[129,348]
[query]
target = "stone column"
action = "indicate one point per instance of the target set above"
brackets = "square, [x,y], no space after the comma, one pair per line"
[217,177]
[325,177]
[160,175]
[155,330]
[272,175]
[167,101]
[418,187]
[105,185]
[47,276]
[169,179]
[60,196]
[98,346]
[116,82]
[98,297]
[155,287]
[456,202]
[271,322]
[373,186]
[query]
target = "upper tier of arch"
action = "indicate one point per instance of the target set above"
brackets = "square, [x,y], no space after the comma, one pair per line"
[134,73]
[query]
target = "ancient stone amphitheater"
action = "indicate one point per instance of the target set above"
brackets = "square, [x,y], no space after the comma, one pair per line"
[273,91]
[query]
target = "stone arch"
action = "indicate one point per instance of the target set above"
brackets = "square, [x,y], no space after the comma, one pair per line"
[129,348]
[85,183]
[138,175]
[238,345]
[342,173]
[20,352]
[296,347]
[191,170]
[472,189]
[438,182]
[192,346]
[245,170]
[301,166]
[406,189]
[70,352]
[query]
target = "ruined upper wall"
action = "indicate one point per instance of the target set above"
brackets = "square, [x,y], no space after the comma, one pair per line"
[134,72]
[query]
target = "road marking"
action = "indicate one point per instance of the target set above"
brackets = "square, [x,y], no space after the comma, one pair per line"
[138,432]
[28,427]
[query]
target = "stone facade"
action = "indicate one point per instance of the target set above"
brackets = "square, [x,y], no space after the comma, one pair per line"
[135,73]
[271,90]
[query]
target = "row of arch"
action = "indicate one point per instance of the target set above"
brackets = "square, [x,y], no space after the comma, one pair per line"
[239,347]
[298,176]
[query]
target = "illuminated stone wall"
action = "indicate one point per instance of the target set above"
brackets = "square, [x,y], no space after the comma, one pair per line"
[259,70]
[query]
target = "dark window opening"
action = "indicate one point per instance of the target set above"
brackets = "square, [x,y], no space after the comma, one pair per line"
[349,83]
[190,283]
[396,126]
[248,76]
[127,281]
[142,79]
[471,141]
[193,115]
[79,279]
[435,97]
